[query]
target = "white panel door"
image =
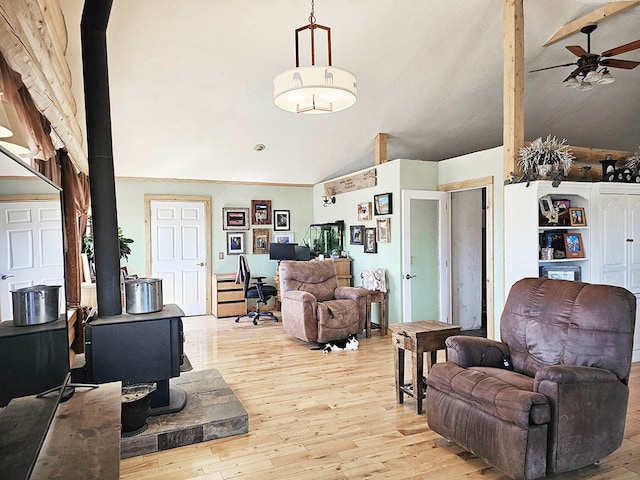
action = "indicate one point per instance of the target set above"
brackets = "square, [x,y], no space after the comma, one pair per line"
[178,253]
[425,256]
[31,237]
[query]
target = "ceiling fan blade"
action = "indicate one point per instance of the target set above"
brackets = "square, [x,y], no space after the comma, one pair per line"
[612,62]
[627,47]
[555,66]
[577,50]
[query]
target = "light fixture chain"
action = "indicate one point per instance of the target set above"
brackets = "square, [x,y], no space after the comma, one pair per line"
[312,17]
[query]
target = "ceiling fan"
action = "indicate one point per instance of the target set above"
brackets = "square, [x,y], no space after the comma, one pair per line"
[589,72]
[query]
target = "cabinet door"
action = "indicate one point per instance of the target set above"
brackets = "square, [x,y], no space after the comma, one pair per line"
[614,246]
[633,246]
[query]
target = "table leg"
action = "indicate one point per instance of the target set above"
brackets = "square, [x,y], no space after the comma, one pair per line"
[417,374]
[398,360]
[367,323]
[383,316]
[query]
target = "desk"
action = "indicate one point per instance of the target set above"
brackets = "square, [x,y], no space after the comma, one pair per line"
[426,336]
[376,296]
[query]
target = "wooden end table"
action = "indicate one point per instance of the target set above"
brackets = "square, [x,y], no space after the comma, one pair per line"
[426,336]
[380,297]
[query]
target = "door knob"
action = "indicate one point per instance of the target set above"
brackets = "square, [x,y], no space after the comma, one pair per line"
[201,264]
[409,277]
[4,277]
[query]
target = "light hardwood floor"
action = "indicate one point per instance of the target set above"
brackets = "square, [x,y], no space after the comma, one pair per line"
[329,416]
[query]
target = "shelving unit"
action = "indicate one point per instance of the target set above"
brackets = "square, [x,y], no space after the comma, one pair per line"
[523,229]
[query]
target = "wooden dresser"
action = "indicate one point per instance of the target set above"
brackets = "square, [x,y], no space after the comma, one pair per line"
[227,296]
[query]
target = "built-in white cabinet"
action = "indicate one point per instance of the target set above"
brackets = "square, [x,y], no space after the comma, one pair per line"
[620,241]
[610,238]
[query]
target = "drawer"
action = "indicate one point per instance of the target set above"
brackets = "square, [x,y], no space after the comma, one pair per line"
[231,309]
[230,295]
[401,341]
[229,286]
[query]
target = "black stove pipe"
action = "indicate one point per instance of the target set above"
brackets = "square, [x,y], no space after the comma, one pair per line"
[93,29]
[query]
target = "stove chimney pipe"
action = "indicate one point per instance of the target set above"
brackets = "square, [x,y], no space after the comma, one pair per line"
[93,29]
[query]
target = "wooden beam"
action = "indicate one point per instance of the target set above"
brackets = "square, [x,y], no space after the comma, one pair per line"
[596,16]
[381,149]
[513,84]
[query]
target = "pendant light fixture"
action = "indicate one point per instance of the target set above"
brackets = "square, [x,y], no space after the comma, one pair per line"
[315,88]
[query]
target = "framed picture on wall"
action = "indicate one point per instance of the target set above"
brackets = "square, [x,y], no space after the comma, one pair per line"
[356,234]
[370,244]
[384,230]
[281,220]
[382,204]
[235,219]
[235,243]
[261,240]
[261,212]
[364,211]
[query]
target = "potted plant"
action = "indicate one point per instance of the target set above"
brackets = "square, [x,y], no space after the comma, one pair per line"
[124,242]
[548,159]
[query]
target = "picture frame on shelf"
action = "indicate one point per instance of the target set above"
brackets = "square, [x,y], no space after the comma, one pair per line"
[577,217]
[281,220]
[561,206]
[235,243]
[554,239]
[261,212]
[562,272]
[356,234]
[382,204]
[370,244]
[235,218]
[282,237]
[364,211]
[383,233]
[261,240]
[573,246]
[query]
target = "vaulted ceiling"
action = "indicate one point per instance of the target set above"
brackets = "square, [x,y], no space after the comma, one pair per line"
[191,84]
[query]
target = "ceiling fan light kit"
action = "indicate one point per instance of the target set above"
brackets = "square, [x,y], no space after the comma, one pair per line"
[589,72]
[314,89]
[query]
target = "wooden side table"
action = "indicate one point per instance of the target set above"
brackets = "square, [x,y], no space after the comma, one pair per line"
[421,337]
[379,297]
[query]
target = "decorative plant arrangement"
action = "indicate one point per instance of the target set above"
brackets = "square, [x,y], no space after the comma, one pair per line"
[548,159]
[123,244]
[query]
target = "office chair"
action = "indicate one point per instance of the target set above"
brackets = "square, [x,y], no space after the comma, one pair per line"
[259,290]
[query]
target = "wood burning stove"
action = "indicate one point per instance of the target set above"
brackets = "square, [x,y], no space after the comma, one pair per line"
[140,348]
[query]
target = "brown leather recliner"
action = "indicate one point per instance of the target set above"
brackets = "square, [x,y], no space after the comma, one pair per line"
[564,404]
[314,308]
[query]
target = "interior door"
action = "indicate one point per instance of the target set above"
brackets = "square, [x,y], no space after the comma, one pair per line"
[179,253]
[425,256]
[31,235]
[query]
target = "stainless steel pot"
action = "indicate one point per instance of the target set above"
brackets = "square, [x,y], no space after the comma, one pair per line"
[143,295]
[35,305]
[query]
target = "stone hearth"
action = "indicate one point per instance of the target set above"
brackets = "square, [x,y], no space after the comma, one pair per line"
[212,411]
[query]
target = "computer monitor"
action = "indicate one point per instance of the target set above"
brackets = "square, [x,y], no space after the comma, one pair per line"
[303,253]
[282,251]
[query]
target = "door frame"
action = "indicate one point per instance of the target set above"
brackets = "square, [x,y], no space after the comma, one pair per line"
[148,198]
[483,182]
[444,248]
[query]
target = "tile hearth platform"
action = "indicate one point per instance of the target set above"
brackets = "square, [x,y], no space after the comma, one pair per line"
[212,411]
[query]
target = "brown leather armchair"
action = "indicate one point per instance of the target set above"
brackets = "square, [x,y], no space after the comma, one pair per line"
[314,308]
[563,406]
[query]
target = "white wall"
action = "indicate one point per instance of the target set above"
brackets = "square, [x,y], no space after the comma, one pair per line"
[391,177]
[130,204]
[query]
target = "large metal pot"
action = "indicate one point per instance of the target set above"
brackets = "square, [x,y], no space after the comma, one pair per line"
[143,295]
[35,305]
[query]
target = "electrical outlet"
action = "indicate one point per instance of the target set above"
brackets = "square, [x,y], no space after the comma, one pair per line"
[221,256]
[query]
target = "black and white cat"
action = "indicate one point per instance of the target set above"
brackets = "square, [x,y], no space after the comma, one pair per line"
[351,343]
